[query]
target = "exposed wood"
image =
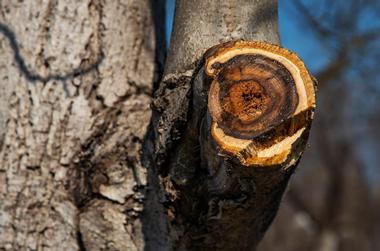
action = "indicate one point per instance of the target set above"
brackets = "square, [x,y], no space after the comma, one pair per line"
[261,100]
[222,194]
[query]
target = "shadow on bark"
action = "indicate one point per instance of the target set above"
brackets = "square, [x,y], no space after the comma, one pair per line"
[31,75]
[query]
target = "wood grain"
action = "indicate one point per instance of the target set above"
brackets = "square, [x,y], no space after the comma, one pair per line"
[261,100]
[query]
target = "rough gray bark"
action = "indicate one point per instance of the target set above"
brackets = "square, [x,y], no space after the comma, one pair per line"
[75,80]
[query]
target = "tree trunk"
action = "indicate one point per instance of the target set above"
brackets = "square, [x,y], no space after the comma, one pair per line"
[86,164]
[76,83]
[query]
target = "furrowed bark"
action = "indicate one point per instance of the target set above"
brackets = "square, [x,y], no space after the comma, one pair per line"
[231,123]
[75,80]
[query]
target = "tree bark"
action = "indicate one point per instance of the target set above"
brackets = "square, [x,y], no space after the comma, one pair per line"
[199,25]
[213,200]
[76,79]
[79,167]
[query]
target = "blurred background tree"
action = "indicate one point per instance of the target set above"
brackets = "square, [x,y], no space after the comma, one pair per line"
[333,202]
